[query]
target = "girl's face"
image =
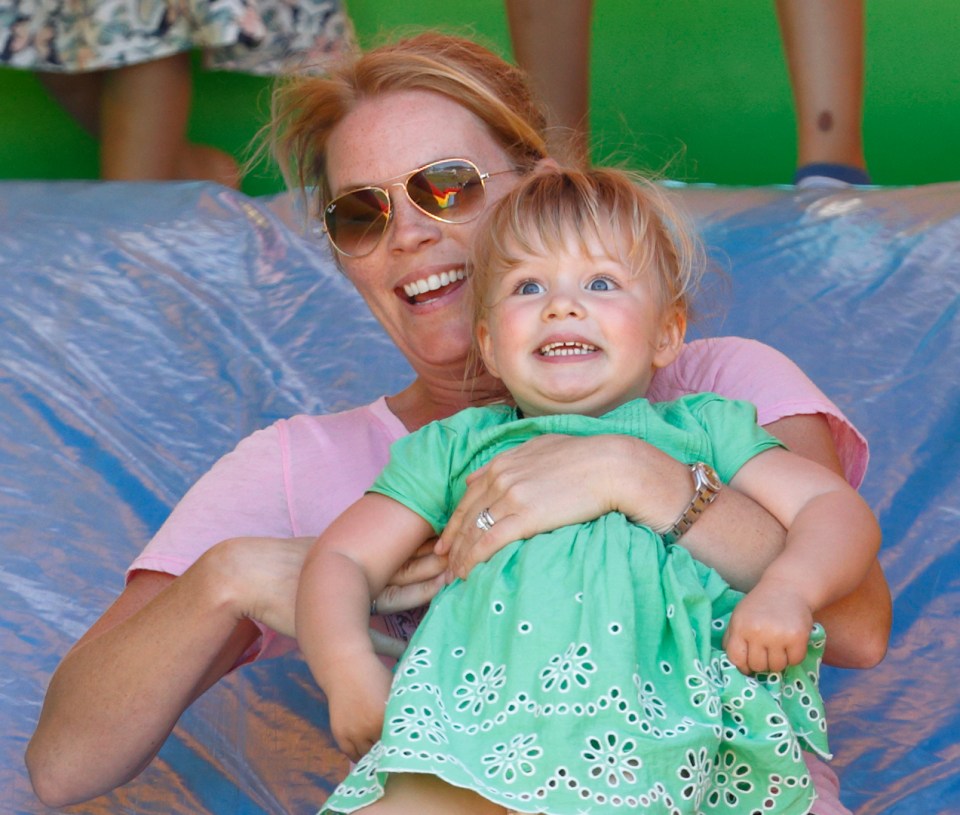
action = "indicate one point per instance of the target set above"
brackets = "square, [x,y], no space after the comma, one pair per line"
[384,139]
[576,331]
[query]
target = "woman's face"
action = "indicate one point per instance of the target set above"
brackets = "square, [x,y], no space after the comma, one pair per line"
[381,140]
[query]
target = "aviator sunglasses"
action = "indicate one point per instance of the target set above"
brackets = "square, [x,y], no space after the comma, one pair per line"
[450,190]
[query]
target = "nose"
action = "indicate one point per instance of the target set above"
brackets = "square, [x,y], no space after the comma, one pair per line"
[409,228]
[563,303]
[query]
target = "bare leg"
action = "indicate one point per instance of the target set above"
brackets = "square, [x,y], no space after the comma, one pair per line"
[551,41]
[143,123]
[823,40]
[414,794]
[78,95]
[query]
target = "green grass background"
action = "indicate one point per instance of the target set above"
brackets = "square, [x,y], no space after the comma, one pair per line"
[698,86]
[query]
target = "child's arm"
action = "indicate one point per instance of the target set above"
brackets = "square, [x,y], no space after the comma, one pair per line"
[832,541]
[350,564]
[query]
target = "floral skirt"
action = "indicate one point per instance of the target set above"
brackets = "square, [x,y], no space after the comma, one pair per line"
[265,37]
[587,675]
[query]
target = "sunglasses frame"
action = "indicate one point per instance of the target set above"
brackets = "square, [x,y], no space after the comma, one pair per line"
[402,181]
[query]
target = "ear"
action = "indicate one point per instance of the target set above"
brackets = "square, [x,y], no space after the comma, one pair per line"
[485,345]
[670,342]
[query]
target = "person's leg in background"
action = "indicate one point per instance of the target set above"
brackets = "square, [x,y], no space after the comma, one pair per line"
[144,110]
[824,43]
[78,95]
[551,42]
[139,115]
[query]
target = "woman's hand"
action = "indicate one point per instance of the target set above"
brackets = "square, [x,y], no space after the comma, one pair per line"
[270,582]
[553,481]
[266,572]
[416,583]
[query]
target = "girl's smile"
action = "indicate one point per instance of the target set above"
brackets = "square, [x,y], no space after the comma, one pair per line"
[562,349]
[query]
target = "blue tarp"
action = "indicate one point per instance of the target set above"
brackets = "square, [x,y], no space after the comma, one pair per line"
[146,328]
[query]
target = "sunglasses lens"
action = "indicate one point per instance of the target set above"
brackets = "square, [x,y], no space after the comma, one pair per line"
[355,222]
[450,191]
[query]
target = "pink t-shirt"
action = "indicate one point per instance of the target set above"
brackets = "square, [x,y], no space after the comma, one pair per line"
[293,478]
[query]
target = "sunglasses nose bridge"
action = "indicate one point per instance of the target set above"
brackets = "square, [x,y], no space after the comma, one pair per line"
[405,186]
[408,222]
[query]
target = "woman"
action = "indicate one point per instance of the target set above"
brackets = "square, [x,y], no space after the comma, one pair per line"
[205,597]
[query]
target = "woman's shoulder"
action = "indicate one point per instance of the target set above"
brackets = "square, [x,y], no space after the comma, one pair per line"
[741,369]
[342,427]
[752,371]
[300,446]
[706,364]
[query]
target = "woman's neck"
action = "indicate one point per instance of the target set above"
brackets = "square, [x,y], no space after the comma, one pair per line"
[426,400]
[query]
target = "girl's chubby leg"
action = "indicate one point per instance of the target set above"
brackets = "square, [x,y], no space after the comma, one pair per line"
[417,794]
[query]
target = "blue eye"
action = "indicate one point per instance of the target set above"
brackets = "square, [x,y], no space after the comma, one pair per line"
[530,287]
[601,284]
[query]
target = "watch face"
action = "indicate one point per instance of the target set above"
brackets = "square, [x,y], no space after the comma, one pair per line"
[709,477]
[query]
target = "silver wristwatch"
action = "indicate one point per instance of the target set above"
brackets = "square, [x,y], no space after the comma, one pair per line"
[706,485]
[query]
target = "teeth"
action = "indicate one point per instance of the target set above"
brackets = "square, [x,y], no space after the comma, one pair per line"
[566,349]
[433,282]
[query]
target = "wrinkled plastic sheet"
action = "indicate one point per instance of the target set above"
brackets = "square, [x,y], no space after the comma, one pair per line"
[146,328]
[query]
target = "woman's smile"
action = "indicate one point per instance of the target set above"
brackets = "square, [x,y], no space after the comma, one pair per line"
[432,287]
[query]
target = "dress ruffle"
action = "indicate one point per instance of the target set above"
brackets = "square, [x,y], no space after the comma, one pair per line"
[265,37]
[601,686]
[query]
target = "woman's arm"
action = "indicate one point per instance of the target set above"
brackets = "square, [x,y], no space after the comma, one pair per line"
[120,690]
[552,481]
[348,566]
[123,686]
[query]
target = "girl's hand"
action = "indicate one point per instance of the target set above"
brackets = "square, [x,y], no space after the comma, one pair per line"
[553,481]
[357,704]
[769,629]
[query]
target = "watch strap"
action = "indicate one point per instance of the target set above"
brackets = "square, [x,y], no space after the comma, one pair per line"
[706,486]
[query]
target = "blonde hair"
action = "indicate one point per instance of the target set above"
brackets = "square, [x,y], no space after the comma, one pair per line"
[306,109]
[639,224]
